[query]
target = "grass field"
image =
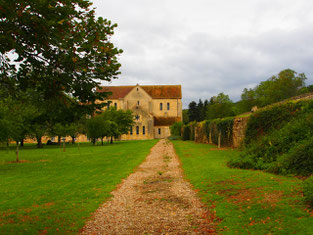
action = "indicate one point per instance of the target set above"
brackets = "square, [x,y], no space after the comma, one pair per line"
[55,191]
[244,201]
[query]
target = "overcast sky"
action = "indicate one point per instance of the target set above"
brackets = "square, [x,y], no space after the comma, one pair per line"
[210,46]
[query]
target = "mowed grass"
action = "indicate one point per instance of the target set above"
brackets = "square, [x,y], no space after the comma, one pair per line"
[55,192]
[244,201]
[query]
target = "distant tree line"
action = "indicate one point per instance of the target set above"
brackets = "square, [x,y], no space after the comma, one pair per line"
[286,84]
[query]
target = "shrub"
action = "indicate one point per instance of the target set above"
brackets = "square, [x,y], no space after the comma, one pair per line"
[285,149]
[299,160]
[274,117]
[308,190]
[176,129]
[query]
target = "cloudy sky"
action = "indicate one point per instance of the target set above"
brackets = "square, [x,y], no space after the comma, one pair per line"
[210,46]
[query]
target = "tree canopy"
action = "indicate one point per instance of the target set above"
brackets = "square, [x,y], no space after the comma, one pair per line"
[59,46]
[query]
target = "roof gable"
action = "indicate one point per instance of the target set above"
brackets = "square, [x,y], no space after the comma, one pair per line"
[156,92]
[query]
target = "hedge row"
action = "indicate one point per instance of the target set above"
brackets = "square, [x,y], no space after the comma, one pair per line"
[213,129]
[279,140]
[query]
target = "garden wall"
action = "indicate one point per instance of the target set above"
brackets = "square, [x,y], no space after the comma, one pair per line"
[239,130]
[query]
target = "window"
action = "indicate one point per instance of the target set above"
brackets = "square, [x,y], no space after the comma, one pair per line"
[161,106]
[159,131]
[115,105]
[131,130]
[137,117]
[52,139]
[109,102]
[138,102]
[137,89]
[137,130]
[168,106]
[143,130]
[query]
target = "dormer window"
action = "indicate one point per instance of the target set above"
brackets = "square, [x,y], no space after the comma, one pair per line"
[137,89]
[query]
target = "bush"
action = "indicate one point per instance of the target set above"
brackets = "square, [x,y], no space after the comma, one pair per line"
[308,190]
[274,117]
[299,160]
[176,130]
[285,149]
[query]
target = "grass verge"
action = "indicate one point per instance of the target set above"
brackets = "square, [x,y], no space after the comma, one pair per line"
[53,191]
[244,201]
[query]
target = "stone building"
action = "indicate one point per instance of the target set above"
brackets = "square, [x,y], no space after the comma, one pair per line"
[155,108]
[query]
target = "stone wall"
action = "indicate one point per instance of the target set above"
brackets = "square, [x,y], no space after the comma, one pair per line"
[239,130]
[200,133]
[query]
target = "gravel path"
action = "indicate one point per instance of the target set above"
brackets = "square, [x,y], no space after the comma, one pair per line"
[153,200]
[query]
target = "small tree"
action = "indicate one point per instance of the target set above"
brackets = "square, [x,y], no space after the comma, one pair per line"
[93,128]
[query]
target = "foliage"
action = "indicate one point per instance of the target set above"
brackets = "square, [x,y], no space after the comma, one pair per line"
[193,111]
[286,84]
[16,113]
[223,127]
[110,123]
[185,116]
[220,106]
[57,192]
[270,118]
[241,201]
[284,144]
[60,46]
[308,190]
[197,111]
[176,129]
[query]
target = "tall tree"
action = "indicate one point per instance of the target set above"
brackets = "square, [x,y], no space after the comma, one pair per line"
[220,106]
[193,111]
[279,87]
[60,46]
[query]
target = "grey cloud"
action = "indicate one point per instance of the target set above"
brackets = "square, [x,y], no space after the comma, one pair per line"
[183,45]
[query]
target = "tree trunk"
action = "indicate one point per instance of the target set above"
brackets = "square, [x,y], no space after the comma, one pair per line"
[111,140]
[101,140]
[219,140]
[17,150]
[39,142]
[22,142]
[64,146]
[93,140]
[73,139]
[59,140]
[8,144]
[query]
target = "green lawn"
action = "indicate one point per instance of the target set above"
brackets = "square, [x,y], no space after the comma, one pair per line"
[244,201]
[55,192]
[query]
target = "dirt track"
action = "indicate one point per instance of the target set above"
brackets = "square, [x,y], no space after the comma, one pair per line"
[153,200]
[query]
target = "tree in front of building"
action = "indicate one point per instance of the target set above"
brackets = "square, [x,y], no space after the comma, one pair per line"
[111,123]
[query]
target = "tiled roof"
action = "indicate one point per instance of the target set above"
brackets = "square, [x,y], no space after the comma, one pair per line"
[156,92]
[166,121]
[117,91]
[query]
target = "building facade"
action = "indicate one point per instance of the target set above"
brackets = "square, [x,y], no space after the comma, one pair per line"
[155,108]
